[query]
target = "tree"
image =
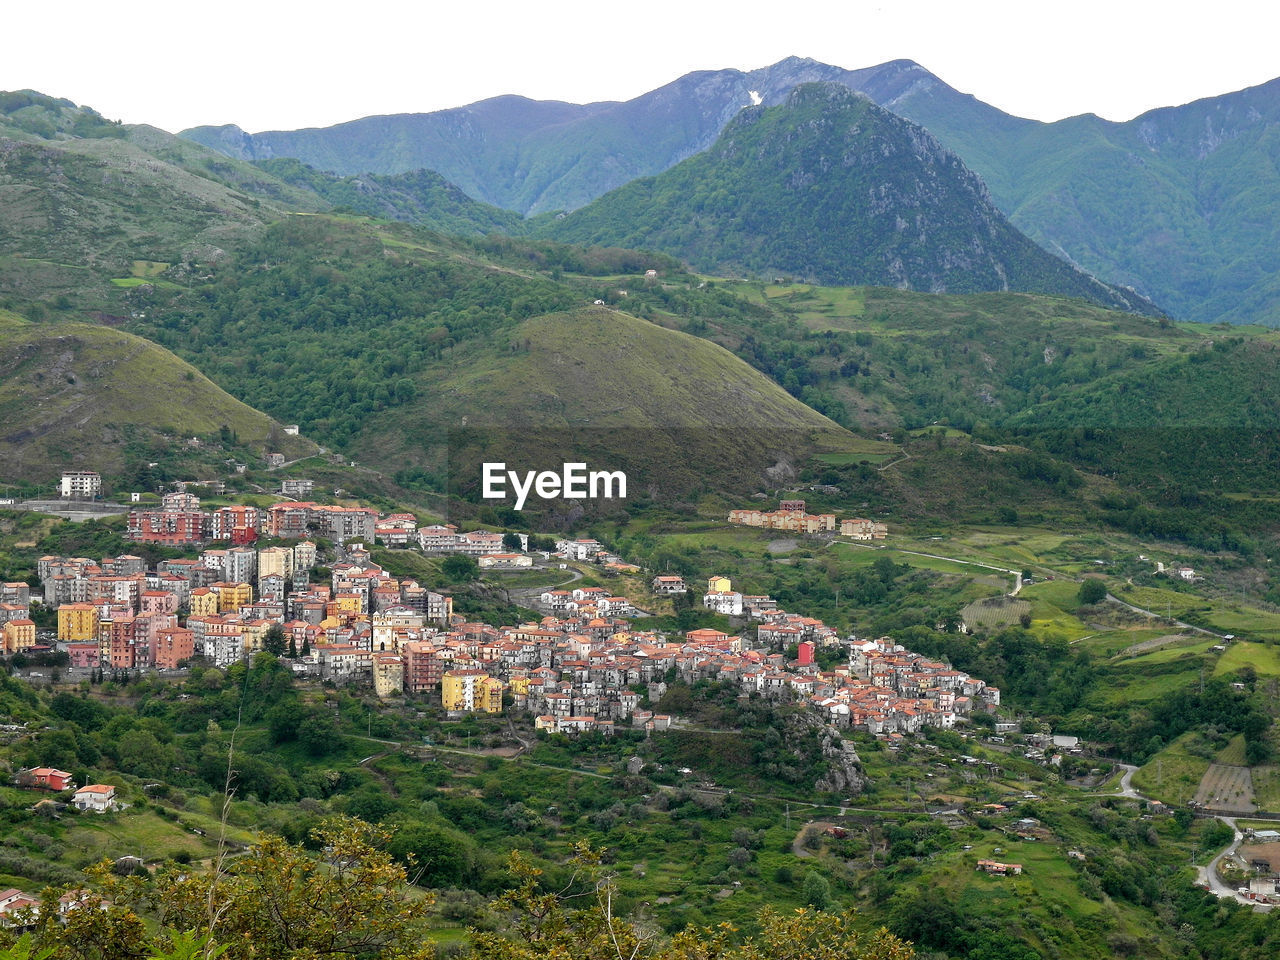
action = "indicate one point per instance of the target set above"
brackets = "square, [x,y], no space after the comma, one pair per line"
[460,569]
[817,891]
[1091,591]
[285,719]
[276,900]
[273,641]
[511,541]
[547,928]
[432,856]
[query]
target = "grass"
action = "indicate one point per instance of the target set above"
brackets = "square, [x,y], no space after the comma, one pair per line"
[1266,789]
[1174,774]
[73,389]
[1233,752]
[860,554]
[1164,602]
[1134,681]
[1192,646]
[1263,658]
[448,935]
[1242,620]
[1051,604]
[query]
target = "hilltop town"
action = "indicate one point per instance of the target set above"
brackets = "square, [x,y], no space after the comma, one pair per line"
[583,666]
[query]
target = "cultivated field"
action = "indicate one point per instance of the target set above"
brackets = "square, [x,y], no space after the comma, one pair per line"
[1174,774]
[995,612]
[1227,788]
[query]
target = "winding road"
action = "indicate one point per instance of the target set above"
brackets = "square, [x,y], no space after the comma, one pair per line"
[1206,876]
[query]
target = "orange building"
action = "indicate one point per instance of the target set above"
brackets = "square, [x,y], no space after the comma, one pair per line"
[173,646]
[19,635]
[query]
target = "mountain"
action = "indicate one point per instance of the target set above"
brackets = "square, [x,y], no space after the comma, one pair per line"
[89,207]
[1181,203]
[830,188]
[81,396]
[406,349]
[358,330]
[535,156]
[417,196]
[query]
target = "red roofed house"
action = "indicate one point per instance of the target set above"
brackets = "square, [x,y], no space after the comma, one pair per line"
[46,778]
[98,797]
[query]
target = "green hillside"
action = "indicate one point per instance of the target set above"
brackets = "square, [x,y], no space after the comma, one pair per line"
[387,340]
[676,412]
[833,189]
[419,196]
[83,199]
[1179,202]
[77,396]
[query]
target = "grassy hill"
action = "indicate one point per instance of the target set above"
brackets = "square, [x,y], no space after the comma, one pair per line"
[83,199]
[676,412]
[390,341]
[77,396]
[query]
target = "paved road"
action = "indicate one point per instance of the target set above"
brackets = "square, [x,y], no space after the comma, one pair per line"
[1208,876]
[1126,782]
[1205,876]
[1157,616]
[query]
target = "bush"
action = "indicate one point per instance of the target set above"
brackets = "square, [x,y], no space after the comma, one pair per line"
[1091,591]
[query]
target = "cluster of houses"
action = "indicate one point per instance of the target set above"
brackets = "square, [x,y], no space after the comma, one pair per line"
[580,668]
[95,797]
[791,516]
[224,605]
[179,521]
[883,688]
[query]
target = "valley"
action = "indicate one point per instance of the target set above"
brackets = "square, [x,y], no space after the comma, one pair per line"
[939,616]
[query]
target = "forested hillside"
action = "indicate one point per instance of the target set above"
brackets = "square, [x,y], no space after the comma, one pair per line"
[830,188]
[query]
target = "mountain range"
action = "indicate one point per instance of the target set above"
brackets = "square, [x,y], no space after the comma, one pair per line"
[1179,203]
[414,350]
[831,188]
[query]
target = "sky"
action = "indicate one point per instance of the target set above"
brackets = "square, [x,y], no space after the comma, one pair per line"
[269,65]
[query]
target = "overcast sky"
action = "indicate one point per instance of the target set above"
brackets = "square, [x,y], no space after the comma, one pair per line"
[265,64]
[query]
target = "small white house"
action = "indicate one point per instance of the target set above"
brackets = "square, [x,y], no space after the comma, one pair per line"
[98,797]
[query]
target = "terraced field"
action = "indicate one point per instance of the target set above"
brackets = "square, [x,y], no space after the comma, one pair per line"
[995,612]
[1227,788]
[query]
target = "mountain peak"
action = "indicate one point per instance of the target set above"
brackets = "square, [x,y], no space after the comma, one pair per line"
[824,92]
[831,188]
